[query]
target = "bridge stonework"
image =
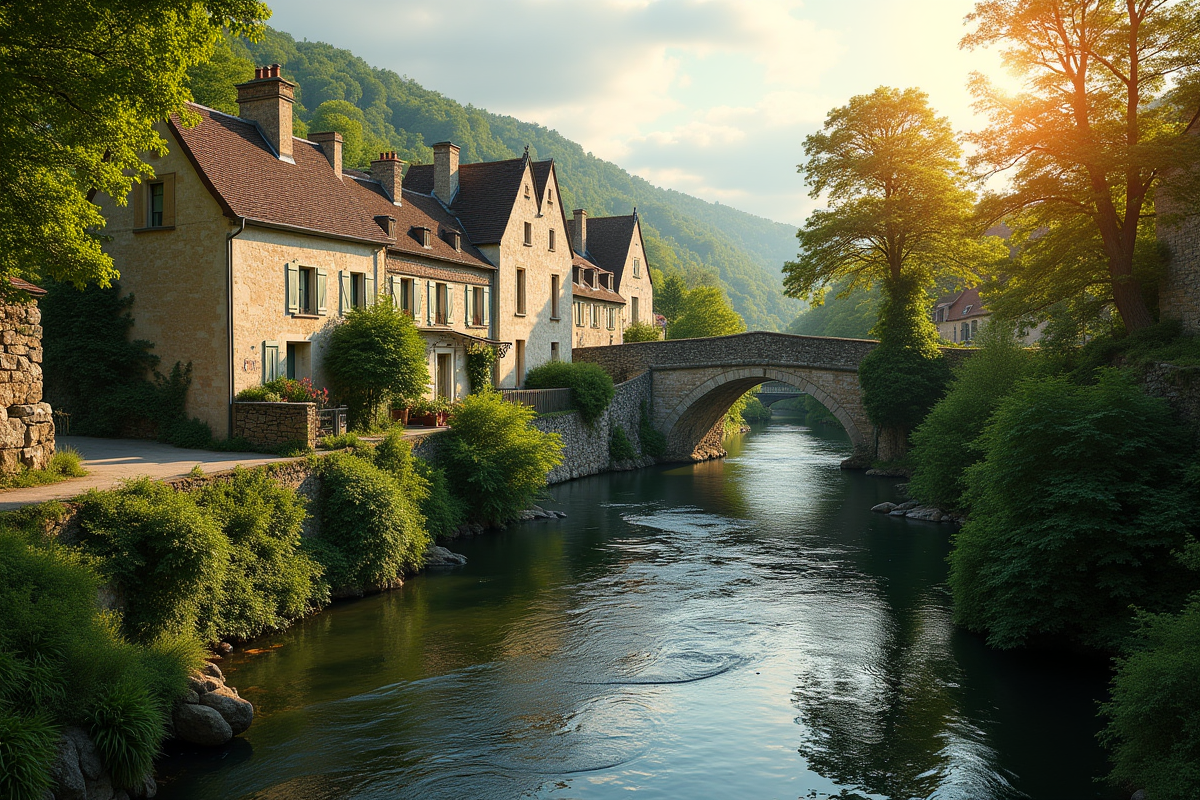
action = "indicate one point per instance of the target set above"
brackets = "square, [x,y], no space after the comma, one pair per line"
[694,382]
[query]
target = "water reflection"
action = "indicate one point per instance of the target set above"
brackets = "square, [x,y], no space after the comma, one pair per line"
[742,628]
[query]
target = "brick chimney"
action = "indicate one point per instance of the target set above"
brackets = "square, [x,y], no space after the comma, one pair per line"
[268,100]
[389,171]
[445,171]
[579,234]
[331,146]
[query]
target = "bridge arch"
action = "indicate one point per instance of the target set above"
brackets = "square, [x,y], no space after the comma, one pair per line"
[691,416]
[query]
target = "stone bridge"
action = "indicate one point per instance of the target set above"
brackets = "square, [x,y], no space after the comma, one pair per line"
[695,381]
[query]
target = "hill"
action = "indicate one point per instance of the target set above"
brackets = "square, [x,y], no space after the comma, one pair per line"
[376,109]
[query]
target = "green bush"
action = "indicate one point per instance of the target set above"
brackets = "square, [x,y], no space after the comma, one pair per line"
[755,411]
[641,332]
[268,581]
[167,557]
[591,387]
[654,443]
[445,512]
[1075,511]
[494,456]
[340,442]
[374,356]
[1154,714]
[901,384]
[480,360]
[68,463]
[376,532]
[944,444]
[619,446]
[63,662]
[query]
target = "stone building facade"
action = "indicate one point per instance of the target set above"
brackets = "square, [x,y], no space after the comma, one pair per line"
[26,423]
[1179,292]
[615,244]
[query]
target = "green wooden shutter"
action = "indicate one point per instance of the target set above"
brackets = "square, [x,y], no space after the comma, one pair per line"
[322,291]
[369,288]
[487,306]
[430,302]
[344,279]
[467,304]
[394,283]
[416,299]
[293,288]
[270,361]
[449,304]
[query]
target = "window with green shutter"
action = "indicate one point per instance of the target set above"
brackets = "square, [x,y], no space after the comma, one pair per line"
[270,361]
[293,288]
[344,299]
[322,281]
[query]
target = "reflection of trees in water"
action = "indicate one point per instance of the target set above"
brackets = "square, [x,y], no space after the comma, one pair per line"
[894,726]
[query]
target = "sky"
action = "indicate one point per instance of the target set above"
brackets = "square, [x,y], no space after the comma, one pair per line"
[709,97]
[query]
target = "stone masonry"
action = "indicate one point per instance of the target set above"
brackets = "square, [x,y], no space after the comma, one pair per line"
[271,425]
[1179,292]
[26,423]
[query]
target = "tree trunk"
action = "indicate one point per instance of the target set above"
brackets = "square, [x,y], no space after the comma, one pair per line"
[1127,294]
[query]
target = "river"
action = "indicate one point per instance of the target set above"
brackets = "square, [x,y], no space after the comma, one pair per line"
[743,628]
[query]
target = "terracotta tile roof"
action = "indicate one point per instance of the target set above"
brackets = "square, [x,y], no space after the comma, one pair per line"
[599,293]
[249,181]
[26,286]
[608,241]
[399,266]
[487,193]
[955,305]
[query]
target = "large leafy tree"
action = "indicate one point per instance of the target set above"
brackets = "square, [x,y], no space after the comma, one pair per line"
[899,206]
[83,82]
[1109,92]
[375,355]
[705,311]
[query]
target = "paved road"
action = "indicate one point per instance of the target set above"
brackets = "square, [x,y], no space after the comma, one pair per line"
[110,461]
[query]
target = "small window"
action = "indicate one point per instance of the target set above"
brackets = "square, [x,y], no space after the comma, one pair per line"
[527,190]
[156,205]
[550,199]
[521,291]
[967,310]
[595,315]
[307,289]
[358,289]
[529,234]
[554,292]
[456,241]
[407,296]
[579,315]
[633,310]
[554,351]
[637,267]
[442,299]
[551,240]
[426,238]
[611,317]
[477,305]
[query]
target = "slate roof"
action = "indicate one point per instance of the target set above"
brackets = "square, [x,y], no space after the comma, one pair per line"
[583,290]
[487,193]
[608,241]
[247,180]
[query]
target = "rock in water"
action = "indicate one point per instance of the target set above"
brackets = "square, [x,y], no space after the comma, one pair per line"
[234,710]
[883,508]
[926,513]
[213,671]
[199,724]
[436,556]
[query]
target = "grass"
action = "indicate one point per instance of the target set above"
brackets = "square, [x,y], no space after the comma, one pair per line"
[339,442]
[65,464]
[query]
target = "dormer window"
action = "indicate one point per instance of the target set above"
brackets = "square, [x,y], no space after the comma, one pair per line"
[422,235]
[388,223]
[527,190]
[967,310]
[454,238]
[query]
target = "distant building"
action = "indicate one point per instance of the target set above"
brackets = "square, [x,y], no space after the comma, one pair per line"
[615,245]
[960,317]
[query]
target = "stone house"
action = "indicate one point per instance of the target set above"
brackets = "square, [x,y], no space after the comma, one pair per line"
[598,312]
[961,316]
[511,212]
[615,244]
[250,244]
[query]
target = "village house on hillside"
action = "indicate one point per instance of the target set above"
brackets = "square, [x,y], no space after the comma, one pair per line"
[611,277]
[250,244]
[961,316]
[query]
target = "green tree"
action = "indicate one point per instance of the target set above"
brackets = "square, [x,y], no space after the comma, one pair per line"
[1109,94]
[848,314]
[375,355]
[669,293]
[84,82]
[213,83]
[1076,511]
[641,332]
[705,312]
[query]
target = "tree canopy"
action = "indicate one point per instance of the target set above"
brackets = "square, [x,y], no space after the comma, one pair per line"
[82,89]
[374,355]
[705,311]
[1109,90]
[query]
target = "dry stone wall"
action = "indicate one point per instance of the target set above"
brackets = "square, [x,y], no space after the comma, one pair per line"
[1179,292]
[273,424]
[26,423]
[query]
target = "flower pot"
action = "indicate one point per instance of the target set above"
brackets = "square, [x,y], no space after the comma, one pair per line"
[400,415]
[429,420]
[442,416]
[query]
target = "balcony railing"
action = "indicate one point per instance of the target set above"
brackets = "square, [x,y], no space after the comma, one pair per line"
[543,401]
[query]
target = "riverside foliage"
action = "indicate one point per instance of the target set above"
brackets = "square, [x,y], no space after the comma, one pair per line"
[591,387]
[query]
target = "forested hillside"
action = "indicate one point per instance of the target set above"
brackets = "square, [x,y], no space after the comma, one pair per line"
[376,109]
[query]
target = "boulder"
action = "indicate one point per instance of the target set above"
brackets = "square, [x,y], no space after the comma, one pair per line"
[907,504]
[213,671]
[89,757]
[883,508]
[926,513]
[898,512]
[65,771]
[234,710]
[101,788]
[436,556]
[145,789]
[200,724]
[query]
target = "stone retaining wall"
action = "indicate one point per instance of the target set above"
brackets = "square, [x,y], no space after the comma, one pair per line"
[26,423]
[275,424]
[585,447]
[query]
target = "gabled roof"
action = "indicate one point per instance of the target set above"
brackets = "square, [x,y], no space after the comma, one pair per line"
[25,286]
[964,305]
[608,241]
[487,193]
[541,173]
[583,290]
[247,180]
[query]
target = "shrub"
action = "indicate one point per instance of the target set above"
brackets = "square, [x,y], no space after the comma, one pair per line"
[1154,714]
[445,512]
[654,443]
[480,360]
[126,724]
[27,748]
[619,446]
[68,463]
[755,411]
[494,456]
[642,332]
[268,581]
[944,444]
[1075,510]
[375,355]
[340,442]
[166,556]
[285,390]
[377,532]
[591,387]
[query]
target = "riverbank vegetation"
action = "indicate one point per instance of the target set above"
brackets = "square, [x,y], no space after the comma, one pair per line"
[591,387]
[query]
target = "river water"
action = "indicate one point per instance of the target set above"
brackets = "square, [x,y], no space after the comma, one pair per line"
[743,628]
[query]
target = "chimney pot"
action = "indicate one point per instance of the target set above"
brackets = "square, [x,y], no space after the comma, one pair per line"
[579,234]
[331,146]
[389,171]
[267,100]
[445,171]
